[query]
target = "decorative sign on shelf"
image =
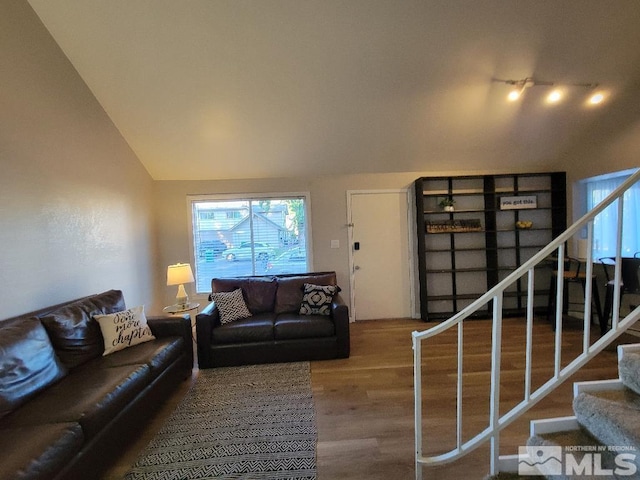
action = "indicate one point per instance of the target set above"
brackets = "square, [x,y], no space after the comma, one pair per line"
[519,202]
[453,226]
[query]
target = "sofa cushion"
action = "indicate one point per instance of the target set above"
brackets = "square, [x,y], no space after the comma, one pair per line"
[289,294]
[74,333]
[124,329]
[231,305]
[257,328]
[90,396]
[28,363]
[158,355]
[259,292]
[38,451]
[291,325]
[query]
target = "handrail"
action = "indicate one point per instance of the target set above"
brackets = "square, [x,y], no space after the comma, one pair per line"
[498,421]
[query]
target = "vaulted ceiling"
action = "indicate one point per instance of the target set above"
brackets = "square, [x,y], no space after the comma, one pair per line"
[219,89]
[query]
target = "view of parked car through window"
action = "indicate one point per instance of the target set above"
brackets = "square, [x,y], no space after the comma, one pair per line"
[240,237]
[249,250]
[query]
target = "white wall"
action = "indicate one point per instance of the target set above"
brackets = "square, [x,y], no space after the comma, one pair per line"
[75,202]
[328,215]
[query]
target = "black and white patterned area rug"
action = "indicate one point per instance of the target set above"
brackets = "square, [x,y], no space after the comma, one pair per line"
[249,422]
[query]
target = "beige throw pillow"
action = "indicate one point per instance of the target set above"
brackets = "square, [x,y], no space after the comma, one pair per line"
[124,329]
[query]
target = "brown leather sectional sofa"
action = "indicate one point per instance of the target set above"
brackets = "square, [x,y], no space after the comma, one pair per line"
[275,331]
[66,410]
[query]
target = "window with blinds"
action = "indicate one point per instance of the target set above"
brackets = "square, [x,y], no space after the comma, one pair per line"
[244,235]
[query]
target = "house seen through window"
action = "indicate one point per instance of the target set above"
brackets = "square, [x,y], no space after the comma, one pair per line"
[248,236]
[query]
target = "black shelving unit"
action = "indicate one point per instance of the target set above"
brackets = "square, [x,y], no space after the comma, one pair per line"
[465,252]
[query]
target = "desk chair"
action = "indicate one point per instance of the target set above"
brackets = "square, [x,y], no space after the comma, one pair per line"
[630,283]
[572,275]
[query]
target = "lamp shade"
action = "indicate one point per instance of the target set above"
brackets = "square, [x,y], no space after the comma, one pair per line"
[179,273]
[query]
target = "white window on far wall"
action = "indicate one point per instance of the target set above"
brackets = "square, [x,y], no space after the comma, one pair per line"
[248,235]
[604,225]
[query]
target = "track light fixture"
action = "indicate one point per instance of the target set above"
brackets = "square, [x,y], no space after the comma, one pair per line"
[518,87]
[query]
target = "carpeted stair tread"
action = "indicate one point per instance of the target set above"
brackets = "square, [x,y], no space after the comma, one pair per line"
[612,417]
[569,440]
[629,369]
[624,397]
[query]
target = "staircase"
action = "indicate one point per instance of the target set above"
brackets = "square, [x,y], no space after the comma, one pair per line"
[606,413]
[602,439]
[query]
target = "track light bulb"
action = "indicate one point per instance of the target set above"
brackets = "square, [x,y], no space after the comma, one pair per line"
[514,94]
[554,97]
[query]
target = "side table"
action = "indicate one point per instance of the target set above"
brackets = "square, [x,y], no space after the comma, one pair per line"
[192,309]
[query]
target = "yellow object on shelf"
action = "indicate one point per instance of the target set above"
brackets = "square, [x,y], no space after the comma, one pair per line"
[524,224]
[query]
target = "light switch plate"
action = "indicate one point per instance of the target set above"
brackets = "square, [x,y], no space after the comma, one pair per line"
[335,243]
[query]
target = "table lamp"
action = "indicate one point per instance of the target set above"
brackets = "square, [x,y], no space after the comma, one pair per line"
[179,274]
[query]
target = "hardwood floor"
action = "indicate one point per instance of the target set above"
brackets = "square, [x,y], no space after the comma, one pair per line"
[364,404]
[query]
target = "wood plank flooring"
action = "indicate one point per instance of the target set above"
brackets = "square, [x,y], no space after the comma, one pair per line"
[364,404]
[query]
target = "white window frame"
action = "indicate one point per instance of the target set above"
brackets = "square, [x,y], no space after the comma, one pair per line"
[202,296]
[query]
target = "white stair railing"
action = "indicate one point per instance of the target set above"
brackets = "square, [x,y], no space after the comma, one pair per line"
[497,420]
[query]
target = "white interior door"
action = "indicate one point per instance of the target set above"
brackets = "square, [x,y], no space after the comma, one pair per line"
[381,276]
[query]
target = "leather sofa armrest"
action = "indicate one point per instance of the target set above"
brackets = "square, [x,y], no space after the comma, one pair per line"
[170,325]
[340,316]
[176,326]
[206,320]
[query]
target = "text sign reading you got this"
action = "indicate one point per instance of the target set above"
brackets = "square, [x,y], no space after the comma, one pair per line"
[518,203]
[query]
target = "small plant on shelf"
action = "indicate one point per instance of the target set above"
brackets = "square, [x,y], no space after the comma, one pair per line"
[447,204]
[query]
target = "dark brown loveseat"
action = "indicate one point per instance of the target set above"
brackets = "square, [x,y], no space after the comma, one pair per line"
[66,410]
[275,331]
